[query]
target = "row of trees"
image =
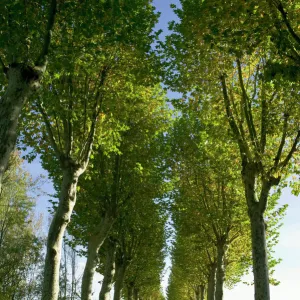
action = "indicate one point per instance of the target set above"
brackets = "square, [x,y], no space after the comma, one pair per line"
[241,58]
[83,83]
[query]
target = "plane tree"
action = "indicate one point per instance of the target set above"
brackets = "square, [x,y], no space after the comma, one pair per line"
[229,60]
[63,121]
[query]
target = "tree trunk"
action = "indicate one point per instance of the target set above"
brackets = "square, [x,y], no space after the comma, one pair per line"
[258,234]
[211,283]
[136,294]
[220,274]
[57,229]
[259,254]
[18,90]
[94,244]
[130,291]
[120,274]
[109,271]
[197,292]
[202,292]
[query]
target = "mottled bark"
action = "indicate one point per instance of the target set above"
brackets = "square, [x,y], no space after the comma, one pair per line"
[220,274]
[57,229]
[120,274]
[94,244]
[259,254]
[256,209]
[211,285]
[109,271]
[22,80]
[11,104]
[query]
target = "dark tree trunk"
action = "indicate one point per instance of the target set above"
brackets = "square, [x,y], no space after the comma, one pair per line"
[259,254]
[129,292]
[258,233]
[220,274]
[202,292]
[136,294]
[211,283]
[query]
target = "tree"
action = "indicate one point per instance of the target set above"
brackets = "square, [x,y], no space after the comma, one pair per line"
[23,60]
[20,244]
[263,119]
[108,57]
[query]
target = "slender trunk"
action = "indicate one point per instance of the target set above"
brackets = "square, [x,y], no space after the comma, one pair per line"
[202,292]
[120,274]
[197,292]
[130,291]
[211,283]
[109,271]
[259,255]
[220,271]
[136,294]
[94,244]
[11,104]
[57,229]
[65,270]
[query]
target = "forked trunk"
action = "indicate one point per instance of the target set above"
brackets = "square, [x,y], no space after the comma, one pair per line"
[109,272]
[57,229]
[94,244]
[120,274]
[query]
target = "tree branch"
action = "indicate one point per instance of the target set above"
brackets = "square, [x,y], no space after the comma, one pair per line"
[290,154]
[284,132]
[42,59]
[242,145]
[247,108]
[4,68]
[87,148]
[283,13]
[49,129]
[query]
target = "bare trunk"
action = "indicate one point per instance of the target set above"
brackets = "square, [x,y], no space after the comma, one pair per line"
[259,254]
[211,283]
[220,272]
[197,292]
[109,272]
[130,291]
[18,90]
[120,274]
[57,229]
[258,234]
[136,294]
[202,292]
[95,242]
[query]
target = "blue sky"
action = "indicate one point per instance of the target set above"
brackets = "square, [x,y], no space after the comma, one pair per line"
[289,243]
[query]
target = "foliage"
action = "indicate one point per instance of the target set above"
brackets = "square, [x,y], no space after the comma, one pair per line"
[20,241]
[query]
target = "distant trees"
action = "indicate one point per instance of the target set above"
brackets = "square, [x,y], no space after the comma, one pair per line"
[20,239]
